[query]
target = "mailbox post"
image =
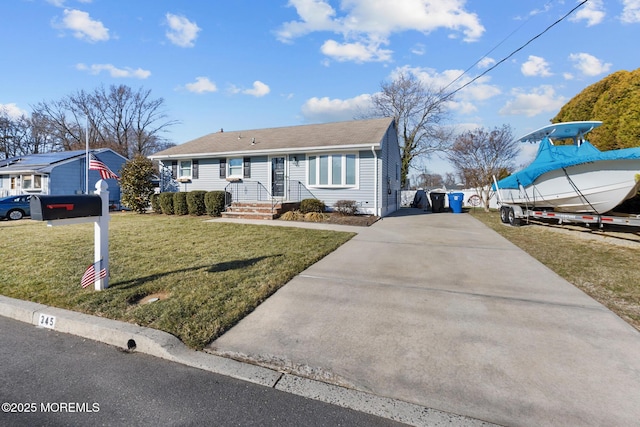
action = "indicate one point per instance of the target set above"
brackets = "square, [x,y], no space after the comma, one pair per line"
[101,235]
[78,209]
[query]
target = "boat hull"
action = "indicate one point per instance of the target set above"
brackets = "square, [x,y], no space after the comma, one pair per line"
[596,187]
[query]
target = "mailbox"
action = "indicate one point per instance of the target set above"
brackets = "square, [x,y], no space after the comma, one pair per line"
[47,208]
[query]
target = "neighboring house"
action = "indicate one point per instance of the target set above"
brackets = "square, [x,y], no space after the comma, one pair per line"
[61,172]
[356,160]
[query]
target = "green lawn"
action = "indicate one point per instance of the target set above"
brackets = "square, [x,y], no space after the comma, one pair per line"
[207,275]
[608,272]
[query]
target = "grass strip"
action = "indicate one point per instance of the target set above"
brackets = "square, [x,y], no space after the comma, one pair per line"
[605,271]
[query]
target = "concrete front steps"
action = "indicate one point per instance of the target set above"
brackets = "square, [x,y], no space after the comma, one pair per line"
[258,210]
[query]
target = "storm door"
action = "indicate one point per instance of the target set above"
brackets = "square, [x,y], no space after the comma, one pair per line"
[278,176]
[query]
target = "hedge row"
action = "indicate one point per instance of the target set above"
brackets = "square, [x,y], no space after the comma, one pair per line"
[196,202]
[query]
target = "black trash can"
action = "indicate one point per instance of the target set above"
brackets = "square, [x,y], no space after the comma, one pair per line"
[437,202]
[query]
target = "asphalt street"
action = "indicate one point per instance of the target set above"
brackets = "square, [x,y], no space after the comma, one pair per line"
[48,378]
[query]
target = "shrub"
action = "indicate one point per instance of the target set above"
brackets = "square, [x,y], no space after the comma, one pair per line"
[291,216]
[155,203]
[136,184]
[166,203]
[180,203]
[346,207]
[312,205]
[314,217]
[195,202]
[214,202]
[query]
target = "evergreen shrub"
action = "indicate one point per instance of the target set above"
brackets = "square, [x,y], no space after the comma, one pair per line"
[195,202]
[215,201]
[166,203]
[180,203]
[312,205]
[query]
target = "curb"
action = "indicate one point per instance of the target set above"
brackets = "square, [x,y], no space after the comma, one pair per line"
[166,346]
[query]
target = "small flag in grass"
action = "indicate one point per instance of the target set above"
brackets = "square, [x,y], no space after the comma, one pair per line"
[93,273]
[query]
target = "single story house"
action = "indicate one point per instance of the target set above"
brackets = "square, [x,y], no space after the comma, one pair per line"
[56,173]
[355,160]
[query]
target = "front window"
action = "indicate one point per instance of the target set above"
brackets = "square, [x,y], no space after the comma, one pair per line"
[31,182]
[184,169]
[332,170]
[235,167]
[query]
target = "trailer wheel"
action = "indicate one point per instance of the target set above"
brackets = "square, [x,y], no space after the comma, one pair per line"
[513,219]
[504,214]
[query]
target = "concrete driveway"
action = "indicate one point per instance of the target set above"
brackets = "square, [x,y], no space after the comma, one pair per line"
[439,310]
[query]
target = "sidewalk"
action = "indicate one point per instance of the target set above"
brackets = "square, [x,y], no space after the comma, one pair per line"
[440,311]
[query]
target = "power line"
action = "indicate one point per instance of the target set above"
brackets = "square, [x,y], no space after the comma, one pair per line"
[511,54]
[492,49]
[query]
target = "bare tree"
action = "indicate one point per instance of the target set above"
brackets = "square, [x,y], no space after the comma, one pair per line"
[480,154]
[127,121]
[419,112]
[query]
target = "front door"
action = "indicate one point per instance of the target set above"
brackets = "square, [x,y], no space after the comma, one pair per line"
[277,176]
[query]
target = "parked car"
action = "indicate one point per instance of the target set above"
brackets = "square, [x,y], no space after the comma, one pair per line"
[15,207]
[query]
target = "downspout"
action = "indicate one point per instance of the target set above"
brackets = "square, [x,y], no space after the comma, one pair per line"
[375,192]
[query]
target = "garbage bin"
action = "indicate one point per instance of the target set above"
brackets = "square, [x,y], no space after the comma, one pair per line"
[437,202]
[455,202]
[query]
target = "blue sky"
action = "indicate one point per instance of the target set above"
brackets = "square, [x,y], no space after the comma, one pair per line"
[247,64]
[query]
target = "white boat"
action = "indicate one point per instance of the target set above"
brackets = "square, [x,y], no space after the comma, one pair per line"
[572,178]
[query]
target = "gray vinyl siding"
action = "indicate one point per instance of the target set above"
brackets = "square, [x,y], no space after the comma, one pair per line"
[363,194]
[389,173]
[209,174]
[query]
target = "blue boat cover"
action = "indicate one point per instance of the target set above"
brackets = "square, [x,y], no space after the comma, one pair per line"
[551,157]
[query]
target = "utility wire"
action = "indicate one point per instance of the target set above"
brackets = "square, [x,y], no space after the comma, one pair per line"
[511,54]
[492,49]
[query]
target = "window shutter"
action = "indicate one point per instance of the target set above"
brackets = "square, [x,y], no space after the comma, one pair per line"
[194,171]
[247,167]
[223,168]
[174,169]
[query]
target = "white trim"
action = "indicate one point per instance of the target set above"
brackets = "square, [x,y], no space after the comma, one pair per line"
[285,190]
[279,152]
[179,175]
[236,176]
[343,171]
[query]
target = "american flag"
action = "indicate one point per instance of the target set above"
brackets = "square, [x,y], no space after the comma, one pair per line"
[105,172]
[94,273]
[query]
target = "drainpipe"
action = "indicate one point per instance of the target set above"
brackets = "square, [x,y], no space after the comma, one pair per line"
[375,192]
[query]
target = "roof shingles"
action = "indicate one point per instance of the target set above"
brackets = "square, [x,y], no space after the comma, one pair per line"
[294,138]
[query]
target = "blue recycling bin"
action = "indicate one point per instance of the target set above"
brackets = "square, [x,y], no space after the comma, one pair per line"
[455,202]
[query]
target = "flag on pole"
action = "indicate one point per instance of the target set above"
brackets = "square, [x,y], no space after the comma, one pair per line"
[105,172]
[93,273]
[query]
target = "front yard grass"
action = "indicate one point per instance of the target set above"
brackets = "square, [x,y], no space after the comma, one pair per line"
[608,272]
[206,275]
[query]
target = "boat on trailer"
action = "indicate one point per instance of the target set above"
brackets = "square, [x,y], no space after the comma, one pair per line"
[576,178]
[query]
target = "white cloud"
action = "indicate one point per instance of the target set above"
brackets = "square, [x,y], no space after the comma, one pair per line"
[259,89]
[115,72]
[465,99]
[535,66]
[486,62]
[588,64]
[83,27]
[182,32]
[12,111]
[630,11]
[319,110]
[592,12]
[540,100]
[356,52]
[201,85]
[365,25]
[419,49]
